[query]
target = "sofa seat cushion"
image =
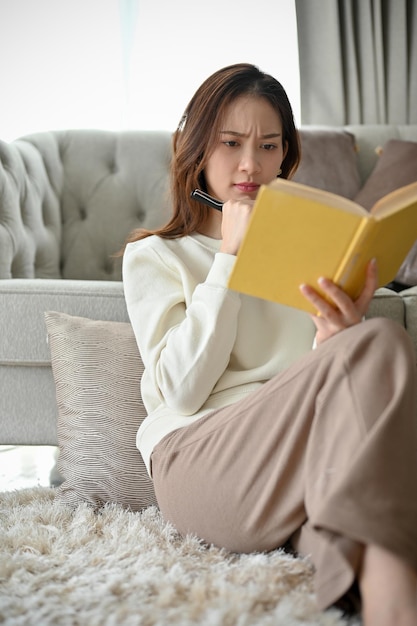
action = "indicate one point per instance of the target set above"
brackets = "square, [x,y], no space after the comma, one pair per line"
[23,303]
[28,409]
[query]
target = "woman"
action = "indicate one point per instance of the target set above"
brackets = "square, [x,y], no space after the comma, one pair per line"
[255,437]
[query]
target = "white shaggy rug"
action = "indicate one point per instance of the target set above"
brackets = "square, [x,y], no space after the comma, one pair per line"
[60,567]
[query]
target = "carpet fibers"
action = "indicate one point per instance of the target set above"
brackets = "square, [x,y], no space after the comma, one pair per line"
[63,567]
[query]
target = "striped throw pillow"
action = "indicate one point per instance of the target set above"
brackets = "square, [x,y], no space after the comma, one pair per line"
[97,369]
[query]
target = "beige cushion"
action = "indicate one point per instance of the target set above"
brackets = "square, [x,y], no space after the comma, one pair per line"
[97,369]
[395,168]
[328,161]
[407,274]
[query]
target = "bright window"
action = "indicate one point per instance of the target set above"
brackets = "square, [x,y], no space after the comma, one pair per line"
[121,64]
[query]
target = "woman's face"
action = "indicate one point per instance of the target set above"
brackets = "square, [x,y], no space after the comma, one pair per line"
[249,150]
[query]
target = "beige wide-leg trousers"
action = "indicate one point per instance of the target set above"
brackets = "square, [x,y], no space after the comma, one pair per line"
[323,455]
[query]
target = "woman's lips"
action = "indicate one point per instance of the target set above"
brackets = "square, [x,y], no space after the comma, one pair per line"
[247,187]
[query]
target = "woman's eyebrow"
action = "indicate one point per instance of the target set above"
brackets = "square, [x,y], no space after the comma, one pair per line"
[236,134]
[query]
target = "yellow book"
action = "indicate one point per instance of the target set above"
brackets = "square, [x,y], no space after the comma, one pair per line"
[298,233]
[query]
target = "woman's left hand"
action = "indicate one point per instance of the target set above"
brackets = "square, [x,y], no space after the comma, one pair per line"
[331,319]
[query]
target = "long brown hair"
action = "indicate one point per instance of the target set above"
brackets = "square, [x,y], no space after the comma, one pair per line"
[197,133]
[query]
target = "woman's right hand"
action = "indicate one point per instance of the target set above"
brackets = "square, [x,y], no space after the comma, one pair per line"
[235,220]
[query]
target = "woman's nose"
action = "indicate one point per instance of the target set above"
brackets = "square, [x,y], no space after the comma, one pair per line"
[249,163]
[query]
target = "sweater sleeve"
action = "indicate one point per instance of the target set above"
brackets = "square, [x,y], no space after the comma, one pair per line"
[185,332]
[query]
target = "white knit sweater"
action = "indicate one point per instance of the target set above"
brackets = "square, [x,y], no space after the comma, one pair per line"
[203,345]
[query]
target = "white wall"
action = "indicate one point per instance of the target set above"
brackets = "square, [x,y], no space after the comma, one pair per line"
[119,64]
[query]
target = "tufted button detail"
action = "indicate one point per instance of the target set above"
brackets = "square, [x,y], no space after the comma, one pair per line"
[83,213]
[140,214]
[108,267]
[113,167]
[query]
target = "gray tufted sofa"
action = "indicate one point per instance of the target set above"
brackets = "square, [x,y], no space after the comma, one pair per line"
[67,201]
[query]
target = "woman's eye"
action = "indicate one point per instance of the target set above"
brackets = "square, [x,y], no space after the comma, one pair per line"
[231,143]
[268,146]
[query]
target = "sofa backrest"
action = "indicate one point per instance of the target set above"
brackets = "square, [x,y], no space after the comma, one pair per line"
[68,199]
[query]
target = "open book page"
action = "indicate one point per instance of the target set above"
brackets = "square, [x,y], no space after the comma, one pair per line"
[317,195]
[395,200]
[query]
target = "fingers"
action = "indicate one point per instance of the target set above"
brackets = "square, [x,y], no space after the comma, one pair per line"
[336,310]
[371,283]
[235,219]
[337,302]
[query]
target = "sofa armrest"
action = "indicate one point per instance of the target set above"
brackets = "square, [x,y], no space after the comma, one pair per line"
[409,297]
[399,306]
[387,303]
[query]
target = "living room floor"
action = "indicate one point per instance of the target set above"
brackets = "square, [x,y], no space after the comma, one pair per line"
[22,467]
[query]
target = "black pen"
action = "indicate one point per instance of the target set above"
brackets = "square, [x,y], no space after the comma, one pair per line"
[204,198]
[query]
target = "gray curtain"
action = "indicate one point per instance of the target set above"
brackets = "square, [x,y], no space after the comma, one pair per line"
[358,61]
